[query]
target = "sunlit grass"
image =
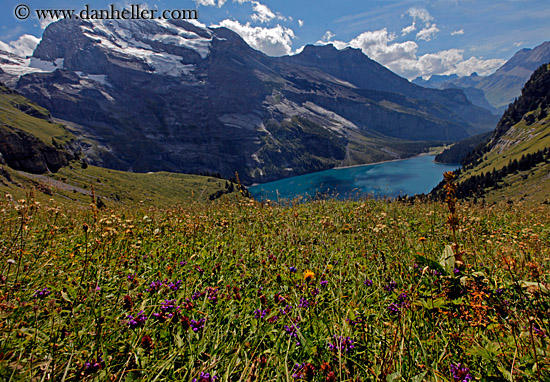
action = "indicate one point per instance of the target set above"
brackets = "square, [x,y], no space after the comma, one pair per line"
[324,290]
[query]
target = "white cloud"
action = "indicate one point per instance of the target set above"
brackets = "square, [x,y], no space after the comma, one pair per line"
[419,14]
[402,58]
[45,22]
[429,29]
[210,3]
[519,43]
[411,28]
[377,45]
[276,41]
[427,33]
[261,12]
[481,67]
[300,23]
[23,46]
[458,32]
[328,36]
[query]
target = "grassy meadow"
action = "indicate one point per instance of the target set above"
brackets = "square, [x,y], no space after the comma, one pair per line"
[236,290]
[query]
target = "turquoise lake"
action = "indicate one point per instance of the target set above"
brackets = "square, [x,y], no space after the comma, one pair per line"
[409,176]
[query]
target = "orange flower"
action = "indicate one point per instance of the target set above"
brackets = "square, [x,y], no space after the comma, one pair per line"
[309,275]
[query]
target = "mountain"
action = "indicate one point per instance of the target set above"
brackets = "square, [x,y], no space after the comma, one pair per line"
[172,95]
[29,139]
[458,151]
[514,162]
[502,87]
[37,153]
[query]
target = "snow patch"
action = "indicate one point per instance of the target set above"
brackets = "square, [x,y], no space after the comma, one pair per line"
[99,78]
[133,40]
[19,66]
[46,66]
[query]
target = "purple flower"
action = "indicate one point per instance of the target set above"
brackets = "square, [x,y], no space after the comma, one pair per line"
[154,286]
[367,282]
[198,325]
[324,283]
[258,313]
[456,271]
[94,366]
[169,310]
[175,286]
[197,295]
[341,344]
[205,377]
[138,321]
[213,294]
[460,373]
[393,308]
[390,287]
[42,293]
[303,303]
[286,309]
[539,332]
[292,269]
[292,332]
[131,277]
[273,319]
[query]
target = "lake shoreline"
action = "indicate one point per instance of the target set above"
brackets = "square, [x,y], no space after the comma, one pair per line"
[351,166]
[381,162]
[410,176]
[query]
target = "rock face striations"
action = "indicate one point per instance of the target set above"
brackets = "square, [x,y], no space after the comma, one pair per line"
[175,96]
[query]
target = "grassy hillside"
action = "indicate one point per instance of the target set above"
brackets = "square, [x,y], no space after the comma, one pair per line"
[18,112]
[74,184]
[521,140]
[515,161]
[243,291]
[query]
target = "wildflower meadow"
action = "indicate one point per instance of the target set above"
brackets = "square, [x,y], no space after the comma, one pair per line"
[239,290]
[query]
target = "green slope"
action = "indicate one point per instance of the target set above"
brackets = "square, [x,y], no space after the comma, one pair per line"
[18,112]
[515,161]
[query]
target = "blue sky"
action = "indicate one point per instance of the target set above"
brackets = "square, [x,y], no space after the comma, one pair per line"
[411,38]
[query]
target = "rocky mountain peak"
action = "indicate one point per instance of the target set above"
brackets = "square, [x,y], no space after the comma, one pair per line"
[173,95]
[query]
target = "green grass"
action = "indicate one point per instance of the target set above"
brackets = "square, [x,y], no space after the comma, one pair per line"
[12,117]
[521,139]
[384,278]
[74,184]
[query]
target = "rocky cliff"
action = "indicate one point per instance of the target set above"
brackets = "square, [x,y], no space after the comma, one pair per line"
[21,125]
[179,97]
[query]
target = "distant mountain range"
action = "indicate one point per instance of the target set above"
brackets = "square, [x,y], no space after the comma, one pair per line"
[497,91]
[170,95]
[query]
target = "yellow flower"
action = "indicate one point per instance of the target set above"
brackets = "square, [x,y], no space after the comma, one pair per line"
[309,275]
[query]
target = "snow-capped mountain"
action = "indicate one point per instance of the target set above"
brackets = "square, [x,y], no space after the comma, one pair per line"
[174,95]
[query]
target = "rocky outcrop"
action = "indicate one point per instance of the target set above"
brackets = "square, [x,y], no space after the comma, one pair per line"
[22,151]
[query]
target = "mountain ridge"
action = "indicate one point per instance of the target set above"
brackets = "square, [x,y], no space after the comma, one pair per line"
[503,86]
[211,100]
